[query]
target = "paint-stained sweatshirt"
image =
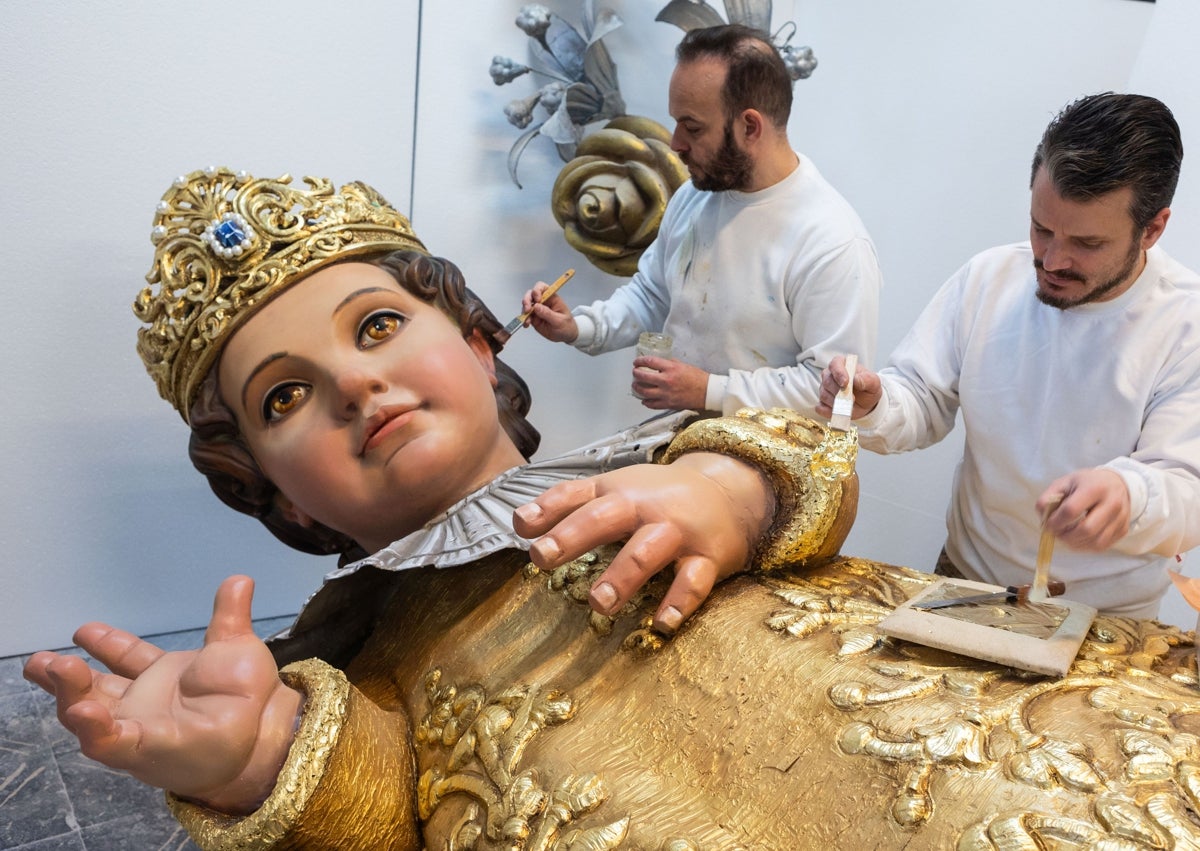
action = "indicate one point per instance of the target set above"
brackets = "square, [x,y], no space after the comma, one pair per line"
[760,289]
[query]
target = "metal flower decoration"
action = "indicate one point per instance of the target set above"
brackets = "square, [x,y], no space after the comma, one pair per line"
[609,200]
[610,197]
[582,85]
[692,14]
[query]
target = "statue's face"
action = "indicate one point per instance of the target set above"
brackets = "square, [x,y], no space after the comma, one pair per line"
[364,405]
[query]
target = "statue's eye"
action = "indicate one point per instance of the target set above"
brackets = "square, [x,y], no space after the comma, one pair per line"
[282,400]
[378,327]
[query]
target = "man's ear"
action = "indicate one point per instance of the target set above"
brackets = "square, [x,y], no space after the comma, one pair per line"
[288,510]
[752,124]
[1154,229]
[483,353]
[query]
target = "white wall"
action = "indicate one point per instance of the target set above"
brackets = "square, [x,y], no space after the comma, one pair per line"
[102,105]
[923,112]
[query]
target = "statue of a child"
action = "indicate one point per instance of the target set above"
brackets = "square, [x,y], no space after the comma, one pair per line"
[342,385]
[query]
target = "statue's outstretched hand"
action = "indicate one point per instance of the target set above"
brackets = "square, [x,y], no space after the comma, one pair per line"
[211,725]
[705,512]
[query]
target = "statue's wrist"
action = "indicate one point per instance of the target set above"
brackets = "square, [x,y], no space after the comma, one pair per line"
[277,729]
[747,492]
[806,464]
[325,692]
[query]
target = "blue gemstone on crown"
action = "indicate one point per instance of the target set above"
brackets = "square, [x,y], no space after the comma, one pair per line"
[229,234]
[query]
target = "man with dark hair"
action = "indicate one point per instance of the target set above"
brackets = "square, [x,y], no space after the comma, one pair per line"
[1075,358]
[761,271]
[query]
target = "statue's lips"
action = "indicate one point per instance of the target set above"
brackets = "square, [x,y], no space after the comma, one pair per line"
[384,422]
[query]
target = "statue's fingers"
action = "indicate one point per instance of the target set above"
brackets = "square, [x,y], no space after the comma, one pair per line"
[35,670]
[603,520]
[102,737]
[72,682]
[231,610]
[122,652]
[694,579]
[71,676]
[539,516]
[650,549]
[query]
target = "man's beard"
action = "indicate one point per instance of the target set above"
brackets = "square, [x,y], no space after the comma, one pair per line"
[730,167]
[1096,294]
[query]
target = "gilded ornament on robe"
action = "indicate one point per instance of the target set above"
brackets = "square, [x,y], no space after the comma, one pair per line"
[1118,729]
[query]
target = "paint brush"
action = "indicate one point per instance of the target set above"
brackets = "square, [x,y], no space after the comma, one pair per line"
[1041,571]
[843,402]
[1012,594]
[504,334]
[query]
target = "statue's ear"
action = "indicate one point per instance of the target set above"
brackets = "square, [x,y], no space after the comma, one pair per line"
[484,354]
[287,509]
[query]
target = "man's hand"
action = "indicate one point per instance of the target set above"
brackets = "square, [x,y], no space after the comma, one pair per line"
[1094,512]
[213,725]
[552,318]
[671,385]
[867,388]
[705,513]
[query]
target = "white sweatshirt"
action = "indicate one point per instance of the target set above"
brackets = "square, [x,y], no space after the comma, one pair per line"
[760,289]
[1045,392]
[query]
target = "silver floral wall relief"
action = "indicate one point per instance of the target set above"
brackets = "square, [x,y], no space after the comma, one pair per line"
[620,170]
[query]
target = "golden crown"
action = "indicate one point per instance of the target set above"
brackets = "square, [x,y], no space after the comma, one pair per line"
[226,244]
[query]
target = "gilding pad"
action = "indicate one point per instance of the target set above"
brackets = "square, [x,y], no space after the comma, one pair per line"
[1041,637]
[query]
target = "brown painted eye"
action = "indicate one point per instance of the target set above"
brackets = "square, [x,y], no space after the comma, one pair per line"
[282,400]
[378,327]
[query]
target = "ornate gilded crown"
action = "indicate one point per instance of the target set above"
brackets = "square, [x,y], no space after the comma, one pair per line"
[226,244]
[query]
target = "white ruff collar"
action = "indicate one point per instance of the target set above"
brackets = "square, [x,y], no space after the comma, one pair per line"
[474,527]
[481,523]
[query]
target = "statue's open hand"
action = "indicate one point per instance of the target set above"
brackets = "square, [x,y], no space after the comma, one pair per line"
[212,725]
[704,512]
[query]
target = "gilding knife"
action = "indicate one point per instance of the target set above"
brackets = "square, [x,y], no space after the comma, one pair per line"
[1011,594]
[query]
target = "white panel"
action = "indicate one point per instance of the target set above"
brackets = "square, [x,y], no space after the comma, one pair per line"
[103,105]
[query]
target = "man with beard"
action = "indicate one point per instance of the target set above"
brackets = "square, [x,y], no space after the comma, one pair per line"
[1075,358]
[760,273]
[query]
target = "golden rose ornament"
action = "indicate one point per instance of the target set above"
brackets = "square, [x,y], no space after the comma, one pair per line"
[610,199]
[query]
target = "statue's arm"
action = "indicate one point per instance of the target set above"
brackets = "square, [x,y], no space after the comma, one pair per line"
[810,469]
[734,492]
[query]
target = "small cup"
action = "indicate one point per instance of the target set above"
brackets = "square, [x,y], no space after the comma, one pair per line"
[651,344]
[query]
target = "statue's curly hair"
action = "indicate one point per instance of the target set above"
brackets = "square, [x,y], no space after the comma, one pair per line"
[218,451]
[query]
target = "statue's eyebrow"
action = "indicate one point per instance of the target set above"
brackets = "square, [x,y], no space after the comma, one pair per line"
[263,364]
[358,294]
